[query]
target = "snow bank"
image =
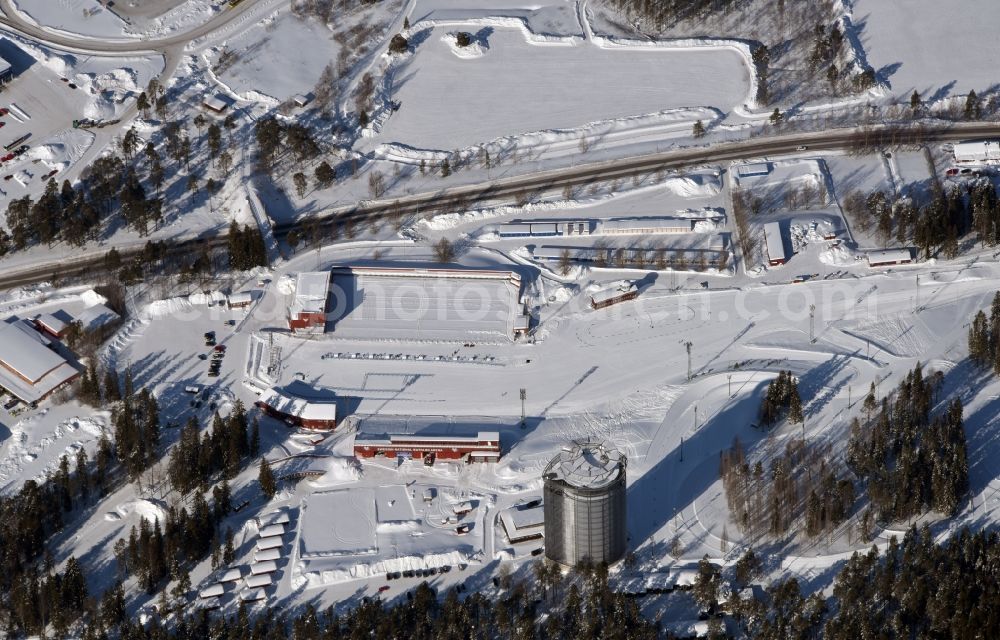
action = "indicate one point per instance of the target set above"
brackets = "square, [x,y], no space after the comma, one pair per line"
[145,508]
[338,470]
[475,49]
[304,578]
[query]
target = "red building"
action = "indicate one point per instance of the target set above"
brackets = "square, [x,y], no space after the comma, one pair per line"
[482,447]
[295,409]
[307,313]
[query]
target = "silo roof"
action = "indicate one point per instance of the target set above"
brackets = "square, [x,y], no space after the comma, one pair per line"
[587,465]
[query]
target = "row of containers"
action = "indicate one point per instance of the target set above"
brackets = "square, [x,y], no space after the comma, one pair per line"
[252,584]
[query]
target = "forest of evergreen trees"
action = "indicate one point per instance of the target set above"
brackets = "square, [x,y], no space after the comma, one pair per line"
[910,460]
[984,337]
[935,226]
[781,398]
[915,589]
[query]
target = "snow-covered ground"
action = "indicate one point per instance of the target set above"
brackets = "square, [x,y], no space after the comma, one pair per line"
[518,85]
[938,49]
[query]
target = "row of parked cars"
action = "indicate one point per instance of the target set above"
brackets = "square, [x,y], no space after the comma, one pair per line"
[417,573]
[218,352]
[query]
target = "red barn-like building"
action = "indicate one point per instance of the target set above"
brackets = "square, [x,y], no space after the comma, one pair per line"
[307,313]
[298,406]
[426,441]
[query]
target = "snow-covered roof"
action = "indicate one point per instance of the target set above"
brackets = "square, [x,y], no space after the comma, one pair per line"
[774,241]
[234,574]
[753,169]
[287,401]
[96,316]
[611,294]
[889,256]
[263,566]
[242,297]
[215,103]
[259,580]
[278,516]
[252,595]
[4,66]
[311,291]
[263,555]
[272,530]
[586,465]
[28,368]
[429,427]
[524,518]
[52,323]
[213,591]
[269,543]
[972,150]
[645,225]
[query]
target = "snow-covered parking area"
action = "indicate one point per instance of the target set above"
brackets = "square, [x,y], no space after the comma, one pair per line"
[448,99]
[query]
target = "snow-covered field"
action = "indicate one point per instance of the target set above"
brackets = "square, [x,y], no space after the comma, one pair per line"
[938,49]
[517,85]
[273,61]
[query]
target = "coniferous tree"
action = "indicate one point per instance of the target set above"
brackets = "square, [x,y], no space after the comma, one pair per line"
[265,478]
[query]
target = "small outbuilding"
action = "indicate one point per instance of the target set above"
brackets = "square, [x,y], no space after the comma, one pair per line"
[889,257]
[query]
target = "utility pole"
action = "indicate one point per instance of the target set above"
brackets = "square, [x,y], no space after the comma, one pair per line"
[696,417]
[812,323]
[848,396]
[687,345]
[729,378]
[524,395]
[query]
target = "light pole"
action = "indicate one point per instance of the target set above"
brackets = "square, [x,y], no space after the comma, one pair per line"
[729,378]
[812,323]
[524,395]
[687,345]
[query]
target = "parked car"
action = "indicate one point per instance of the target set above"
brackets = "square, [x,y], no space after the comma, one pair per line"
[221,348]
[383,588]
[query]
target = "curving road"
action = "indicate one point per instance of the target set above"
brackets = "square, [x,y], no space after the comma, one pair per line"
[14,20]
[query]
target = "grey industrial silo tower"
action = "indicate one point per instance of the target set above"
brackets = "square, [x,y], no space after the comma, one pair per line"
[585,504]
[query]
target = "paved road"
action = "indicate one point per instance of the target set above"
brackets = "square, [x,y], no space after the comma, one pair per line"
[13,20]
[504,189]
[467,196]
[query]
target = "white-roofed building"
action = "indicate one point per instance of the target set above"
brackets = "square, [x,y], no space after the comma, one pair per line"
[523,523]
[977,151]
[418,439]
[645,226]
[216,104]
[888,257]
[56,325]
[308,311]
[300,405]
[774,243]
[240,299]
[29,369]
[95,317]
[608,297]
